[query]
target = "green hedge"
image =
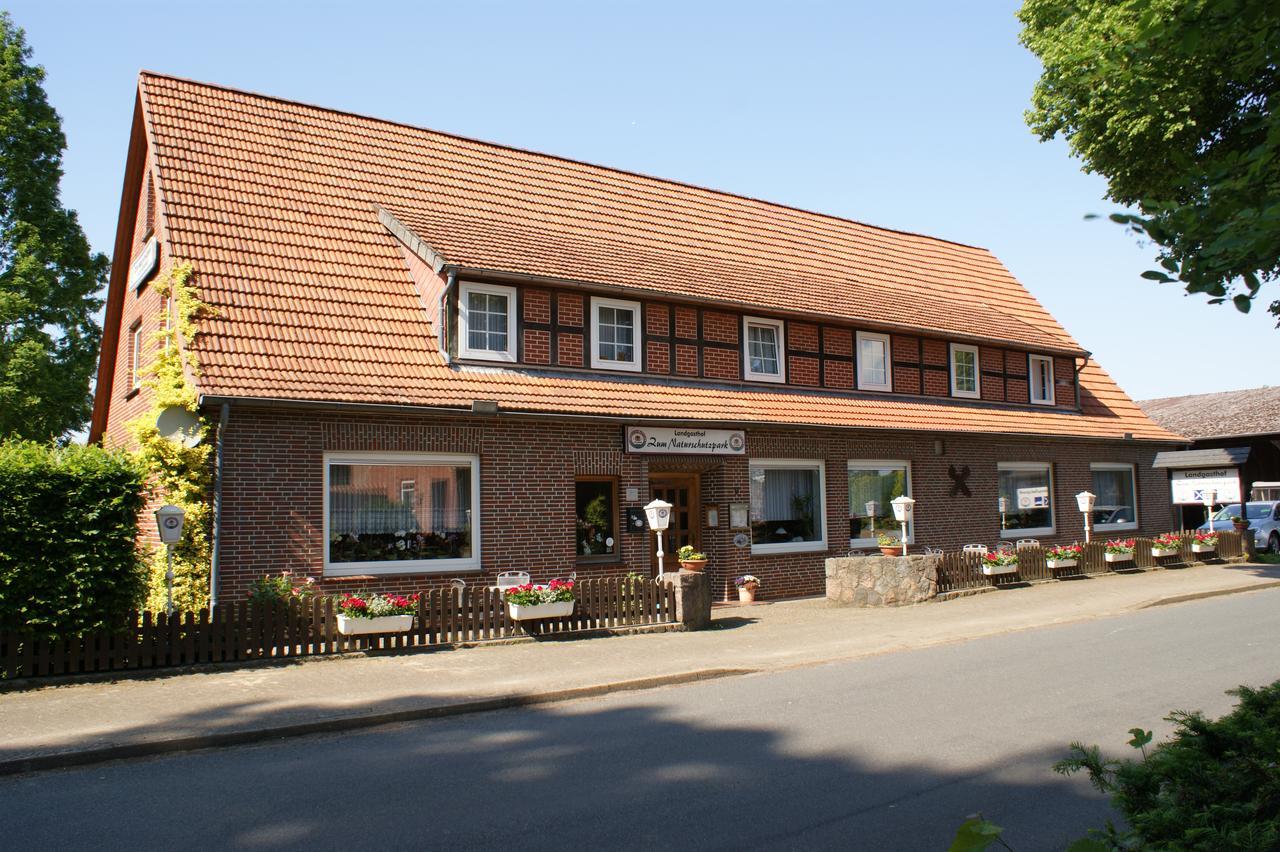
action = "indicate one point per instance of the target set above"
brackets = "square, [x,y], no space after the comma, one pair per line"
[68,523]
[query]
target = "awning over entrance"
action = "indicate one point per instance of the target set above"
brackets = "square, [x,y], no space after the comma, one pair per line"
[1220,457]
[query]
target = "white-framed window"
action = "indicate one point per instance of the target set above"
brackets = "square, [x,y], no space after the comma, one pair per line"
[964,371]
[487,321]
[376,522]
[615,334]
[135,356]
[874,363]
[1026,499]
[764,350]
[1040,368]
[1115,489]
[787,501]
[873,486]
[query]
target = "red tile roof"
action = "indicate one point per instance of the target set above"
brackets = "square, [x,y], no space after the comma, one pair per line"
[275,205]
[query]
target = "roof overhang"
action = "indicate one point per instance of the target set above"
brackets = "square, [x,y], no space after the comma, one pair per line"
[1184,459]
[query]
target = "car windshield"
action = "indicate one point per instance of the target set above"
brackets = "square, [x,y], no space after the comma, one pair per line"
[1257,511]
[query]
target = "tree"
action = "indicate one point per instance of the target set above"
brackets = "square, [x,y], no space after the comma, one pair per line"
[48,275]
[1173,102]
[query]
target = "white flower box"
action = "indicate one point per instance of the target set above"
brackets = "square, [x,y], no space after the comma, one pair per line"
[546,610]
[351,626]
[1157,551]
[1055,564]
[999,569]
[1117,557]
[1203,548]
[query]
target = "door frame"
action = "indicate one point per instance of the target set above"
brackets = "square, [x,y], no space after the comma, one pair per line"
[677,479]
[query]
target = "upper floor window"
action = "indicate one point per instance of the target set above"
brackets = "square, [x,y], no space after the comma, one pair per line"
[615,334]
[873,362]
[486,322]
[964,370]
[1041,379]
[763,358]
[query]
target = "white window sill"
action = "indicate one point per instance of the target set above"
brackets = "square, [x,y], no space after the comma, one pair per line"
[1029,533]
[764,377]
[419,566]
[788,547]
[486,355]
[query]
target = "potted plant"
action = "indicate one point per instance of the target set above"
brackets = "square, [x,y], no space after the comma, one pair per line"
[1119,550]
[1204,542]
[890,545]
[999,562]
[550,601]
[360,612]
[690,559]
[1241,524]
[1062,556]
[1166,544]
[747,586]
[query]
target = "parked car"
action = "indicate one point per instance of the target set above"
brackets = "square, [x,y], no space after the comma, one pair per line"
[1264,522]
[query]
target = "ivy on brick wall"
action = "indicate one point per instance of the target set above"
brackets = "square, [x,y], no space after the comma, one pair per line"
[177,474]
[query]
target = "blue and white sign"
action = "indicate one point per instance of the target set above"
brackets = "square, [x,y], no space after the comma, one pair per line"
[1188,486]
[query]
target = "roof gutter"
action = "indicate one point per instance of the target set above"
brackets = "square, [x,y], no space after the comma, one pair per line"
[879,325]
[443,315]
[1078,371]
[224,417]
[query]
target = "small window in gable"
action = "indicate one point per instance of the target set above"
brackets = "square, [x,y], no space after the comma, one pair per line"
[135,356]
[763,359]
[486,322]
[873,362]
[964,370]
[615,334]
[1041,368]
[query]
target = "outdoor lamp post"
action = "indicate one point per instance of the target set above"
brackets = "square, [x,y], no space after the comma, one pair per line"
[1085,501]
[659,514]
[873,509]
[169,525]
[903,510]
[1209,496]
[1003,504]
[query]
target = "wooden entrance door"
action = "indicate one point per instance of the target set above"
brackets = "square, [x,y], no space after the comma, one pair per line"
[681,491]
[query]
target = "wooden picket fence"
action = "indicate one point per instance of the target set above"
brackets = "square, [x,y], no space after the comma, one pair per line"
[298,628]
[964,570]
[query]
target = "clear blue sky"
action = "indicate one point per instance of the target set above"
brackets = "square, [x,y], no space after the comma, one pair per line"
[906,115]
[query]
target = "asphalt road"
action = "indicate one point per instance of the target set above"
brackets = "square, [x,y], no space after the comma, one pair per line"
[885,753]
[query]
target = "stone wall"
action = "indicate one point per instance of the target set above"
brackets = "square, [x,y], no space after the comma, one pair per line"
[881,580]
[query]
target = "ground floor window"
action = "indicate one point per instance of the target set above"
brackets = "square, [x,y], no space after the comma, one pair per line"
[1115,506]
[401,513]
[787,498]
[596,506]
[873,486]
[1026,499]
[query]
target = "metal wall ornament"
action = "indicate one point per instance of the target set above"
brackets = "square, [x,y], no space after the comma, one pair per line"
[959,480]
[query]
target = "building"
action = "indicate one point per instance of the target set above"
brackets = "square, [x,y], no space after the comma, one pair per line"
[1242,427]
[433,357]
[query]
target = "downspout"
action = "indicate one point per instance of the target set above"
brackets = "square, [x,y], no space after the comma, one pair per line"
[223,416]
[444,315]
[1078,371]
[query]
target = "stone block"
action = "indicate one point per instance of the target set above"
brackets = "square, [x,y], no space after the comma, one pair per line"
[881,580]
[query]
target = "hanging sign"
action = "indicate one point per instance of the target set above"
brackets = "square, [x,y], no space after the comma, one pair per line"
[144,264]
[705,442]
[1189,485]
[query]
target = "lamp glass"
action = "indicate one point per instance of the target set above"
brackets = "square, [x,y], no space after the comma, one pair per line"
[903,509]
[1085,500]
[659,514]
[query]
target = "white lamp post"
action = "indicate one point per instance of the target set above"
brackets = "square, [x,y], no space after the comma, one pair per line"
[873,509]
[659,514]
[169,525]
[1209,496]
[1085,501]
[1003,504]
[903,510]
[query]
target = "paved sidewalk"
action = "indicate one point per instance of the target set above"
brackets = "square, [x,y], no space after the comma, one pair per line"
[88,722]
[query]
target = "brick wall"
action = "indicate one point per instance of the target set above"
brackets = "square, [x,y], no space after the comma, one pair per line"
[274,502]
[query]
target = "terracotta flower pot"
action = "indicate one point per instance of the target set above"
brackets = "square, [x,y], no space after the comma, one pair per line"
[891,551]
[693,564]
[747,594]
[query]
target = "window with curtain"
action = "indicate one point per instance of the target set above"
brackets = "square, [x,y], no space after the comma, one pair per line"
[1026,489]
[487,322]
[873,361]
[1041,368]
[1116,503]
[400,514]
[964,370]
[764,349]
[615,331]
[879,482]
[596,509]
[787,506]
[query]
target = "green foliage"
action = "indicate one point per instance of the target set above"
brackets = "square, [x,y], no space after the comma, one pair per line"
[68,520]
[280,588]
[688,554]
[1173,101]
[48,275]
[1214,785]
[976,834]
[180,475]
